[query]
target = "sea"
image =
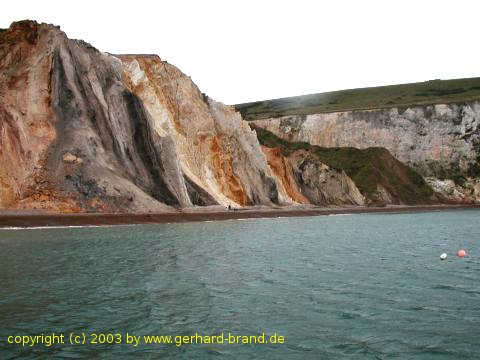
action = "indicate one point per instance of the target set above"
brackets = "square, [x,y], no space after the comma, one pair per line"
[362,286]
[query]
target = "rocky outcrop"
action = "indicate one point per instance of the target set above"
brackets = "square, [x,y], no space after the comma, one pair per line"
[83,130]
[467,193]
[438,140]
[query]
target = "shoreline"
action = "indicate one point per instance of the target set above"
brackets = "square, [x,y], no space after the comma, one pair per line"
[19,220]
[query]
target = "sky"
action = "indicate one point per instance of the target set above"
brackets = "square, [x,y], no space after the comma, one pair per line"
[242,51]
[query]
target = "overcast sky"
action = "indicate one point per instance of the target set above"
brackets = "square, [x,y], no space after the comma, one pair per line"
[240,51]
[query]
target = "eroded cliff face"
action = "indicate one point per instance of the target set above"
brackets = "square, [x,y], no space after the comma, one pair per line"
[437,140]
[82,130]
[284,173]
[216,149]
[27,120]
[88,131]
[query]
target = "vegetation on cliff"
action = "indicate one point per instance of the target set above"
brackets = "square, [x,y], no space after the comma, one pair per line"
[404,95]
[370,169]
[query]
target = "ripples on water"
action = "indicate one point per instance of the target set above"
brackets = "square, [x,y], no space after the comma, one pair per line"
[359,286]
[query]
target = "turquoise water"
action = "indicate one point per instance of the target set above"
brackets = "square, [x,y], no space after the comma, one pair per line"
[336,287]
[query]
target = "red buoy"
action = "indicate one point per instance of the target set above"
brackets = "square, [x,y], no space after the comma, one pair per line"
[461,253]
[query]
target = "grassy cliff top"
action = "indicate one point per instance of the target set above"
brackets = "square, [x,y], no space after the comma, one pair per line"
[423,93]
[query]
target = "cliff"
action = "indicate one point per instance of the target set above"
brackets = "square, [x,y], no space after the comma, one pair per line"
[83,130]
[350,176]
[440,141]
[437,140]
[87,131]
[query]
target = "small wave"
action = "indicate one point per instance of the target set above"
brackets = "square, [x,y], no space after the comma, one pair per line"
[347,315]
[259,218]
[444,287]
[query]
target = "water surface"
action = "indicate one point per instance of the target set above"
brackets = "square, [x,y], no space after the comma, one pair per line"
[367,286]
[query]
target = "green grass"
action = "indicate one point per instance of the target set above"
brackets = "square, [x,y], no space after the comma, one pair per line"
[367,168]
[269,139]
[404,95]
